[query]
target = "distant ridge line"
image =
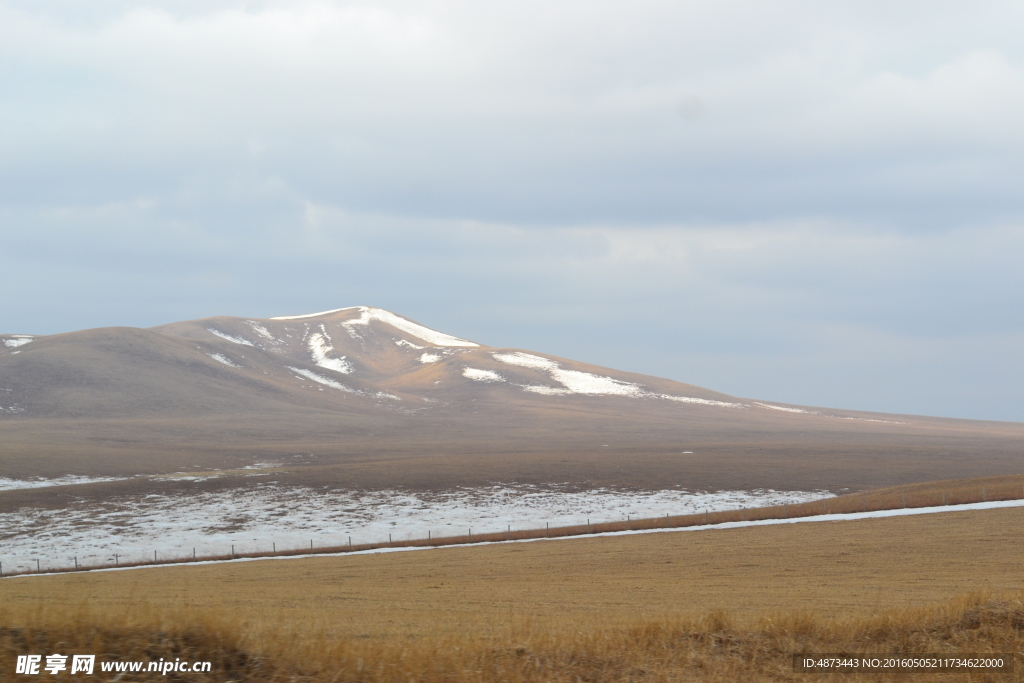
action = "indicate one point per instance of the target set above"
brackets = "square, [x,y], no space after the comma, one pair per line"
[312,315]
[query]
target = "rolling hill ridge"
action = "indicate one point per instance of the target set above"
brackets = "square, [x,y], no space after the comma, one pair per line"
[371,397]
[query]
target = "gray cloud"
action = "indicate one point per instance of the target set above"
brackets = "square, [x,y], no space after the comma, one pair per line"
[800,202]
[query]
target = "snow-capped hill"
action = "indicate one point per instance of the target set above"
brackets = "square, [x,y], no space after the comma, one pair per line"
[357,354]
[368,313]
[385,399]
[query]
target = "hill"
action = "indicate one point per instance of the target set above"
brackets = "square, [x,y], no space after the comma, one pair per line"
[364,398]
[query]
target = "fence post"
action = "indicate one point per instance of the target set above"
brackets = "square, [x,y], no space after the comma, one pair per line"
[943,497]
[705,515]
[547,528]
[428,534]
[154,553]
[76,562]
[470,534]
[350,543]
[115,559]
[193,553]
[232,551]
[38,570]
[389,539]
[275,547]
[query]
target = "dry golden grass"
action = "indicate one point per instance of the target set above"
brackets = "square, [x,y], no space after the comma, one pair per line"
[712,647]
[719,605]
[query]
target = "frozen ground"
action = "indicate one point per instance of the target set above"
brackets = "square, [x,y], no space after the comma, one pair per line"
[253,519]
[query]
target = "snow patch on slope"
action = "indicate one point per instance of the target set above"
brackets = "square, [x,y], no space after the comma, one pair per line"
[482,375]
[832,417]
[320,346]
[17,340]
[261,331]
[783,408]
[433,337]
[222,335]
[220,358]
[309,374]
[545,390]
[698,401]
[368,313]
[429,358]
[526,360]
[312,315]
[577,382]
[408,344]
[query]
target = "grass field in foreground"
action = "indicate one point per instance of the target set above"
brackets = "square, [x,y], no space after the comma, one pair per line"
[707,605]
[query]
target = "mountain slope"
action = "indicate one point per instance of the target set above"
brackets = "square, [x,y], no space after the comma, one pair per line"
[374,399]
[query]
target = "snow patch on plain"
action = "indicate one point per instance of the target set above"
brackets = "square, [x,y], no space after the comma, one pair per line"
[320,346]
[41,482]
[482,375]
[256,517]
[220,358]
[222,335]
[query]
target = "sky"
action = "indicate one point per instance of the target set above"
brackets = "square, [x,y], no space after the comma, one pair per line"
[813,203]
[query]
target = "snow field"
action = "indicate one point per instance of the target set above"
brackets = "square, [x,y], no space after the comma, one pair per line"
[254,519]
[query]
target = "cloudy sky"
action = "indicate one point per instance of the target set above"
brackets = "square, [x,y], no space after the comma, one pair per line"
[817,203]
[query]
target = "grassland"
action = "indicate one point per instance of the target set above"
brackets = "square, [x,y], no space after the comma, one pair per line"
[710,605]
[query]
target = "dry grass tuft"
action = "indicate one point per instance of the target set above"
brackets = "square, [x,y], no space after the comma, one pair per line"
[715,646]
